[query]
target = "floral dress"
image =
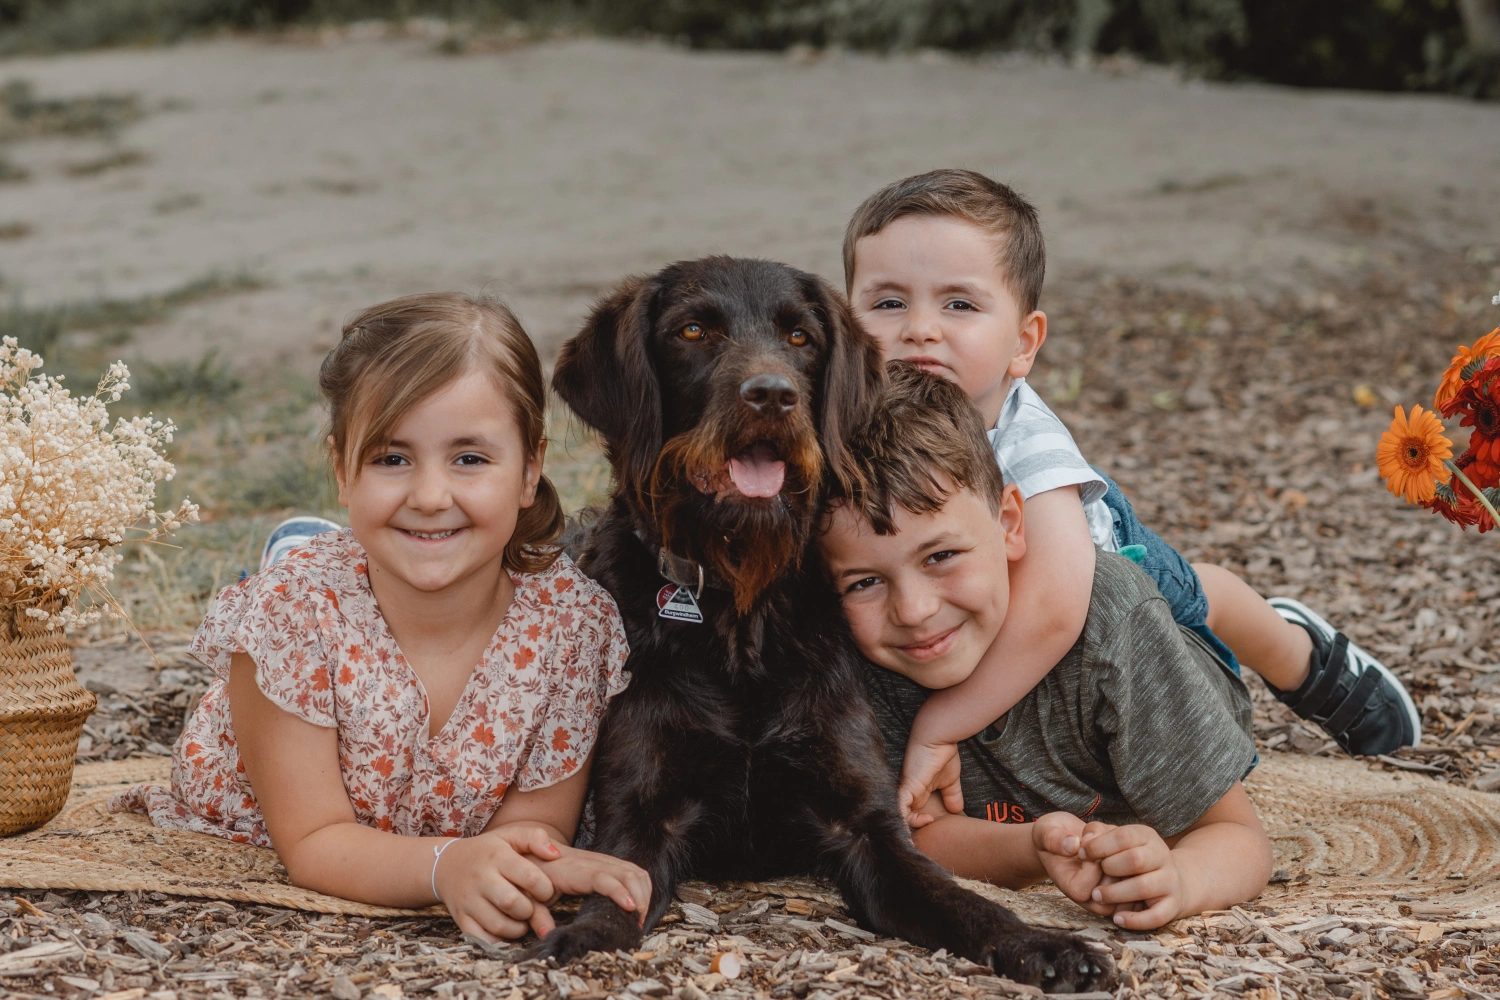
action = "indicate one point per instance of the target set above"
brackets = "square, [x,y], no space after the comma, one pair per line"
[528,717]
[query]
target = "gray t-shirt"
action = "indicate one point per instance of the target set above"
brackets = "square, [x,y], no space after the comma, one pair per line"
[1138,723]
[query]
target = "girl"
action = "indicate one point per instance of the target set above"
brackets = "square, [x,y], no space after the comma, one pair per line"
[405,709]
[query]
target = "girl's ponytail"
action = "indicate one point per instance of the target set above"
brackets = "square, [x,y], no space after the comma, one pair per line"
[534,546]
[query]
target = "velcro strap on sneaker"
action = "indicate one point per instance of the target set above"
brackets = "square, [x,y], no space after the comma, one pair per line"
[1343,717]
[1312,704]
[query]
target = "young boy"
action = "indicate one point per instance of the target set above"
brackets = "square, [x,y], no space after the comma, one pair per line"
[1117,774]
[945,270]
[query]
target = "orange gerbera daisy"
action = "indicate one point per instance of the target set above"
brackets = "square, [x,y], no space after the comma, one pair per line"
[1411,454]
[1487,346]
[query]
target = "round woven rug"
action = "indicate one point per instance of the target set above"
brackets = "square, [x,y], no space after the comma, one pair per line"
[1346,838]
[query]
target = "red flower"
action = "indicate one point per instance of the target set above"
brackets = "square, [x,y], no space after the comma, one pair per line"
[356,653]
[524,656]
[346,676]
[1478,399]
[320,678]
[1449,502]
[192,749]
[384,765]
[560,739]
[484,734]
[445,788]
[1456,502]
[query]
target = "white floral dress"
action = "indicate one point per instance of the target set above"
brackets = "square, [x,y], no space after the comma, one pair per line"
[527,718]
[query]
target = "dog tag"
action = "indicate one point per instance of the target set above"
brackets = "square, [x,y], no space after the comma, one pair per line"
[678,604]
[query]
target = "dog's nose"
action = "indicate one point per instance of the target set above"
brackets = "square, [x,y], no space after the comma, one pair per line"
[769,393]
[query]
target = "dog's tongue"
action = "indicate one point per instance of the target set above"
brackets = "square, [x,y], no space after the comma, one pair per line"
[757,472]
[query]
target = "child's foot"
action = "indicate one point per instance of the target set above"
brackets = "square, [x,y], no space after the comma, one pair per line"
[291,534]
[1348,692]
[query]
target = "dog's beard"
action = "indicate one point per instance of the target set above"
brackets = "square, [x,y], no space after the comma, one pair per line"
[746,542]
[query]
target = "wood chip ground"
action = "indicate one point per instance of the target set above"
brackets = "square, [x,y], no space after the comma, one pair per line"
[1236,426]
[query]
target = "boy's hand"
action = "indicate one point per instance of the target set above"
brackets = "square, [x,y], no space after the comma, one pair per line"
[1144,884]
[1059,839]
[929,767]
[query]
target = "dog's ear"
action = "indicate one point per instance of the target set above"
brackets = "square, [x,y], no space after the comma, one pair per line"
[604,373]
[853,378]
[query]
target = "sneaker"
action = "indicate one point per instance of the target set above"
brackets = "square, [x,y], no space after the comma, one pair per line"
[1348,692]
[291,534]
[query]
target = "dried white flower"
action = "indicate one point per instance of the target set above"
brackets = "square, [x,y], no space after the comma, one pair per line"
[1496,300]
[71,487]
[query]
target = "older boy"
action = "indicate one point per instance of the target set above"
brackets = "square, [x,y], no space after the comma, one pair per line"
[945,270]
[1120,770]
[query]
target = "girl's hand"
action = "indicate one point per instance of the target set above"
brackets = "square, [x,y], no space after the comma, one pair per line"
[925,769]
[576,872]
[1059,839]
[1143,885]
[494,890]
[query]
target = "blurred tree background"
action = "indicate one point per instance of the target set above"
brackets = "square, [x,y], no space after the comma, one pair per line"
[1431,45]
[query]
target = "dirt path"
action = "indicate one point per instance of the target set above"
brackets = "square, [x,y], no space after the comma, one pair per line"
[346,172]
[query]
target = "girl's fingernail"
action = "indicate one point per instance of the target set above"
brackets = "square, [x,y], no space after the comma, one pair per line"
[1070,844]
[1098,896]
[1120,919]
[630,902]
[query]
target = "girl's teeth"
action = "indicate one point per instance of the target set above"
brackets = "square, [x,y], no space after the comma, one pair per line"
[434,534]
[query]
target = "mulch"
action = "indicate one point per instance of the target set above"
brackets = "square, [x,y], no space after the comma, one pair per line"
[1234,422]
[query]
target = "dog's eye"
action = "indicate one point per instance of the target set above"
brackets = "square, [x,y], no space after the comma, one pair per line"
[798,338]
[692,332]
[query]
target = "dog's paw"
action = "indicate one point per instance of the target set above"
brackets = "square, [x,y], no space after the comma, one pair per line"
[600,930]
[1058,963]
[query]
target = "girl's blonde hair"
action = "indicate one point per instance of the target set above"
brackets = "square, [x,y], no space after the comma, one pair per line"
[396,354]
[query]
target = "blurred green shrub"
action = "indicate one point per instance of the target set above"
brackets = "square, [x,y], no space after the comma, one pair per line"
[46,25]
[1376,44]
[210,379]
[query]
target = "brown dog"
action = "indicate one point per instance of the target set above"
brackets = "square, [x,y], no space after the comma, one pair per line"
[744,746]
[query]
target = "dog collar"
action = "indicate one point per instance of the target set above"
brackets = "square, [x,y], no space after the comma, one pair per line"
[683,572]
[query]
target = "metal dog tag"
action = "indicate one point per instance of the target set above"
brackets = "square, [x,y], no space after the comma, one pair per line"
[678,604]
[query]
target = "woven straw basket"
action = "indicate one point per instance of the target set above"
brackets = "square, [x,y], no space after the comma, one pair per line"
[42,710]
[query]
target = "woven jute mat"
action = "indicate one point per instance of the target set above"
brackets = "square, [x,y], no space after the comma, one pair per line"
[1345,837]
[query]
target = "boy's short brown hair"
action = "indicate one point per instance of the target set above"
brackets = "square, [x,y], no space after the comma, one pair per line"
[924,441]
[995,208]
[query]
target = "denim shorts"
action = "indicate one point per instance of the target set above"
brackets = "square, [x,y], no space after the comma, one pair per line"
[1174,575]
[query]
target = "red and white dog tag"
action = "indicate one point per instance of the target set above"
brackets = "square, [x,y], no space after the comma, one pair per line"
[678,604]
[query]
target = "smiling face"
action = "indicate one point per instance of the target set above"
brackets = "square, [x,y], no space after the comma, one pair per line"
[928,600]
[931,291]
[438,503]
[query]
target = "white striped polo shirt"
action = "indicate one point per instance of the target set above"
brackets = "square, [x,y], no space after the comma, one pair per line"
[1036,452]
